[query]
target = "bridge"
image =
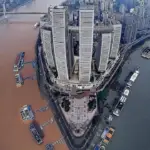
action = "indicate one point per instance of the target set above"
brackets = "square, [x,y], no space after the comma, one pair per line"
[22,13]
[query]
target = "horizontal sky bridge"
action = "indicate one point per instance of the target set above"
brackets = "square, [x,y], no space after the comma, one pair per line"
[102,29]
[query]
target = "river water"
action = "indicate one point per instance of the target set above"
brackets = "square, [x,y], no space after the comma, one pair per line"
[15,38]
[132,127]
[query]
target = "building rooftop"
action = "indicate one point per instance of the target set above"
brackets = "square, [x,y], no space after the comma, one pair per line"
[80,112]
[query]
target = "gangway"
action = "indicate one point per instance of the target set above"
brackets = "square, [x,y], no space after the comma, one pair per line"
[50,146]
[32,77]
[50,121]
[31,62]
[20,79]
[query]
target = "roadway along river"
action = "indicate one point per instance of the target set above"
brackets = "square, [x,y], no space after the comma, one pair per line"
[14,38]
[133,124]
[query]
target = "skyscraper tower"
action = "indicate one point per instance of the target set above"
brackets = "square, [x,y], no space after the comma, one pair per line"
[103,52]
[86,26]
[116,36]
[70,46]
[84,53]
[46,36]
[60,37]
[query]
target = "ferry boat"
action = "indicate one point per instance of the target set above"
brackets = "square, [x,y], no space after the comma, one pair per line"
[120,105]
[133,77]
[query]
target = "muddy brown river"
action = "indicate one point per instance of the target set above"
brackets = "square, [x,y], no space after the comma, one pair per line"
[14,38]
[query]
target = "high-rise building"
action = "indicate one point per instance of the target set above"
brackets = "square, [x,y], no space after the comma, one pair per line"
[70,47]
[131,22]
[82,48]
[102,53]
[46,36]
[122,9]
[116,36]
[60,38]
[86,27]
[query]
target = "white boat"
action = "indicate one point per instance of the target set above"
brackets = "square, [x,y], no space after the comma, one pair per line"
[134,76]
[27,113]
[36,25]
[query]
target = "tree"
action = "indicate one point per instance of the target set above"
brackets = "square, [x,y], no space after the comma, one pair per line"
[103,94]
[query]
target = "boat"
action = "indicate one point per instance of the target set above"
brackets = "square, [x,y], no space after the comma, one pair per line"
[133,77]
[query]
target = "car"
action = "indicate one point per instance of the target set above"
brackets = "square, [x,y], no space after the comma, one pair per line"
[19,80]
[27,113]
[109,136]
[104,132]
[36,132]
[102,147]
[97,147]
[118,109]
[49,147]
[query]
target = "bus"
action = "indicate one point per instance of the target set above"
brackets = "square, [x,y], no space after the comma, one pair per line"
[19,62]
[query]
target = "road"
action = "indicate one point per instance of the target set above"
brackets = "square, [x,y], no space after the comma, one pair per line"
[13,39]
